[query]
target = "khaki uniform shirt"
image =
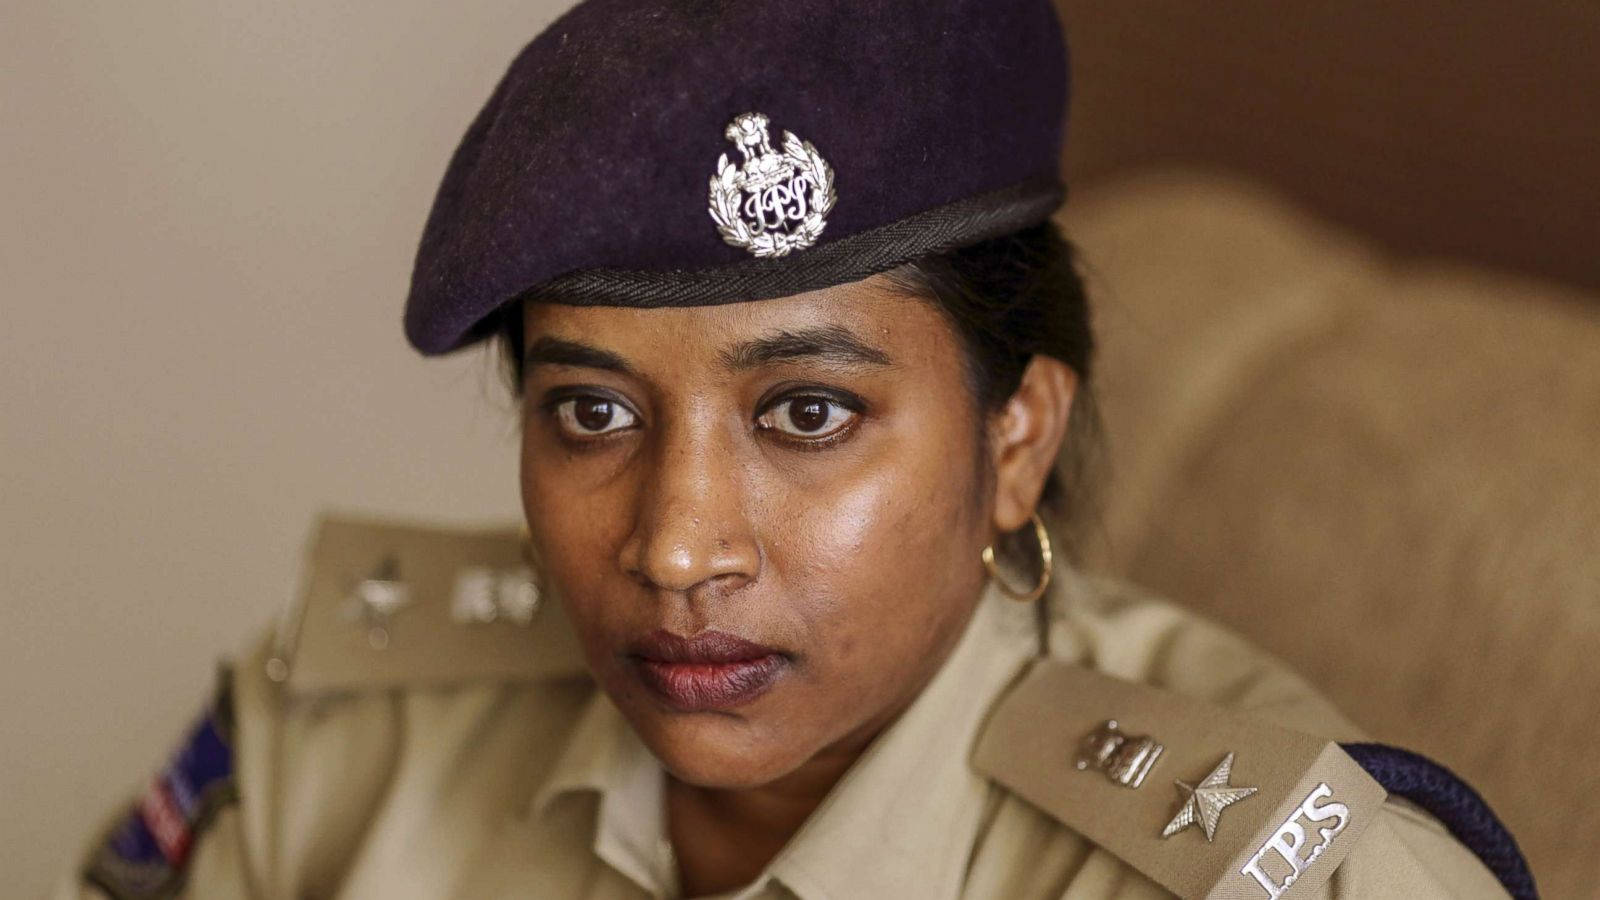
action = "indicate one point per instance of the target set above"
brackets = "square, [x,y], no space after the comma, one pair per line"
[537,787]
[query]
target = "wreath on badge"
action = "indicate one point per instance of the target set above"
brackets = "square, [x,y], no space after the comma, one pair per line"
[776,202]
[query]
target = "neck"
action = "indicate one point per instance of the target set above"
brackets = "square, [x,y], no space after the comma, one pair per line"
[724,838]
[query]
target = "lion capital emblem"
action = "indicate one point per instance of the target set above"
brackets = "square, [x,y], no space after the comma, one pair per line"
[1125,758]
[776,202]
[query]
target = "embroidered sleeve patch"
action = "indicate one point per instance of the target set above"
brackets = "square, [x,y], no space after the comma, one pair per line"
[145,855]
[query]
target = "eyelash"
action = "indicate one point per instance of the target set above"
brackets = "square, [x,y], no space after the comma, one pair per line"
[552,406]
[835,399]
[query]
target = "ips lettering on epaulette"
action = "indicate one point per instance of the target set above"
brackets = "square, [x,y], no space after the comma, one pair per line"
[1280,861]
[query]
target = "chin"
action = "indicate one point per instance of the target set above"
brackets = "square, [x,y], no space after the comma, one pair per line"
[719,752]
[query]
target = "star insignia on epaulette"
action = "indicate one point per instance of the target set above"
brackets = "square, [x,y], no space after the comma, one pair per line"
[1203,803]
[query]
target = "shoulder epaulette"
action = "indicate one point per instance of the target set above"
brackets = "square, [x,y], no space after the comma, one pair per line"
[1203,800]
[392,605]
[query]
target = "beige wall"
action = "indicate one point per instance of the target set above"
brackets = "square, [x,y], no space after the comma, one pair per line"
[209,214]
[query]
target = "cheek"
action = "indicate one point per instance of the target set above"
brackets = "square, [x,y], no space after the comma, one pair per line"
[572,525]
[889,548]
[543,506]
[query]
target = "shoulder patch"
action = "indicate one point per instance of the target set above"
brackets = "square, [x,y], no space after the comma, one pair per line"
[1203,800]
[387,605]
[146,854]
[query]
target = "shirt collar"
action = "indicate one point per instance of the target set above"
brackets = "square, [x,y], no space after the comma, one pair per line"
[604,757]
[900,823]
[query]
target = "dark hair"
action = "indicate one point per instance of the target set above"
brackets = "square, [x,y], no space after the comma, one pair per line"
[1009,298]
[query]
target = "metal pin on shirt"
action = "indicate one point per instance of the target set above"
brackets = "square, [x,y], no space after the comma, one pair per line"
[1125,759]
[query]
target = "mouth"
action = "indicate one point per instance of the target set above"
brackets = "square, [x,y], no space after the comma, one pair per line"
[711,671]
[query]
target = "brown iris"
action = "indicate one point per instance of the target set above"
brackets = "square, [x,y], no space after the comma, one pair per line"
[808,414]
[593,413]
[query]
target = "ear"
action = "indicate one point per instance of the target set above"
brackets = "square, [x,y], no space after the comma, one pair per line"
[1025,439]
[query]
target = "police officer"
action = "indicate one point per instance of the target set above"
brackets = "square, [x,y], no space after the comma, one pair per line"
[799,350]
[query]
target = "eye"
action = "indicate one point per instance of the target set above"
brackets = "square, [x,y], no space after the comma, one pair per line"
[588,416]
[808,417]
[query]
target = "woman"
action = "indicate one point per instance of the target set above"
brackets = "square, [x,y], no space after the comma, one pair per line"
[787,432]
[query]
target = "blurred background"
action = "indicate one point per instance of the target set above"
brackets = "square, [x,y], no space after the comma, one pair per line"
[1344,257]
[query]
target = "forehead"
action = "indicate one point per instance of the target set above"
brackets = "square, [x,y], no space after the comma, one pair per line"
[906,328]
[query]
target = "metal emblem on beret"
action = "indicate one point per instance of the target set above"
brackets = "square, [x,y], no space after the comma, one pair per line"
[1125,758]
[775,202]
[1204,802]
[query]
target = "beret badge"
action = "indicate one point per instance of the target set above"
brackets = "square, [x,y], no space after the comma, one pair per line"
[777,201]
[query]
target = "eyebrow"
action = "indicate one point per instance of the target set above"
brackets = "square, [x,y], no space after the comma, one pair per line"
[830,343]
[558,352]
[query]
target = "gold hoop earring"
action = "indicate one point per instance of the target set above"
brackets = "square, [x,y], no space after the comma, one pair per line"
[1045,559]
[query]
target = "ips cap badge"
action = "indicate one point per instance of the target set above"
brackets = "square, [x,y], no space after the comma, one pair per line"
[776,202]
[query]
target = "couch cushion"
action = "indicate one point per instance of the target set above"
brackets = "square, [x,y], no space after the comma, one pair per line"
[1384,471]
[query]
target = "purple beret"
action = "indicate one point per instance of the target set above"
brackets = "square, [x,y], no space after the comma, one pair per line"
[684,152]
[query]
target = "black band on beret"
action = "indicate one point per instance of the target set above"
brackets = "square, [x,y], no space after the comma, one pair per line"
[666,152]
[847,259]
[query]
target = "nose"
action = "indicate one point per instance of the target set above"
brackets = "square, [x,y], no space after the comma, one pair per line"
[690,531]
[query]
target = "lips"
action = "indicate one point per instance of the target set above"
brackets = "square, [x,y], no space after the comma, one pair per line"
[710,671]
